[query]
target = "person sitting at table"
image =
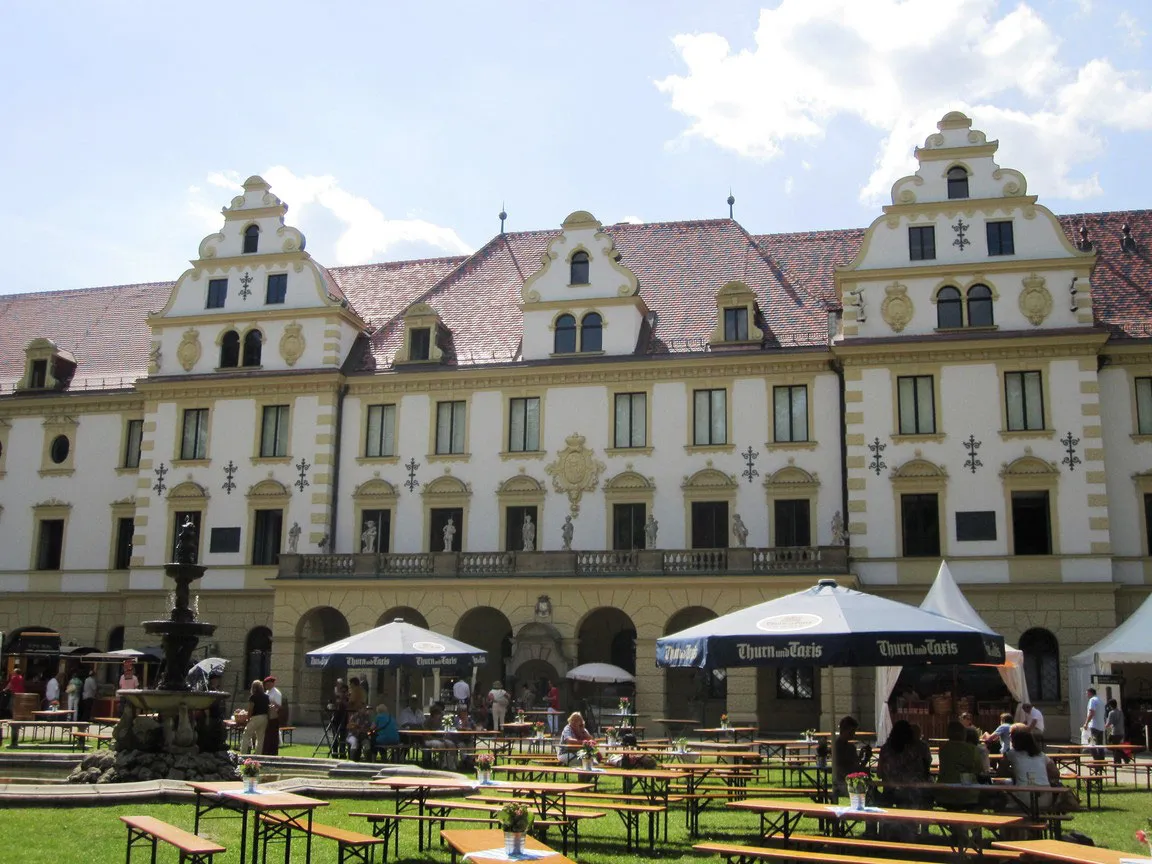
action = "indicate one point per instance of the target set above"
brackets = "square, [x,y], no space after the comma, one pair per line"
[411,717]
[441,743]
[997,741]
[972,736]
[384,735]
[359,734]
[1028,766]
[902,762]
[847,756]
[959,764]
[572,736]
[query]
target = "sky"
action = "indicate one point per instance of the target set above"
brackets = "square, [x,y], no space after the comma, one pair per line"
[399,130]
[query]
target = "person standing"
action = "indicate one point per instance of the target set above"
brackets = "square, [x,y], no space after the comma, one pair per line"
[461,692]
[1034,720]
[128,681]
[357,697]
[1094,721]
[52,693]
[339,718]
[1114,726]
[275,712]
[257,719]
[498,700]
[72,691]
[88,695]
[552,700]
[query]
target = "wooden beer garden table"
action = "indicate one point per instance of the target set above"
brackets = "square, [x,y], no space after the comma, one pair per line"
[464,842]
[735,732]
[964,830]
[414,790]
[296,809]
[1062,850]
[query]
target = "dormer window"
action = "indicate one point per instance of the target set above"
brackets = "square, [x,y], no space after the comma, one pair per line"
[251,239]
[579,269]
[949,310]
[420,343]
[565,341]
[957,183]
[980,306]
[38,379]
[253,344]
[47,366]
[591,333]
[230,350]
[736,324]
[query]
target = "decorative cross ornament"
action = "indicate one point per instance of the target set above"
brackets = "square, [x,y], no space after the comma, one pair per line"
[302,467]
[158,487]
[971,446]
[877,464]
[960,227]
[750,456]
[245,281]
[229,472]
[412,467]
[1071,460]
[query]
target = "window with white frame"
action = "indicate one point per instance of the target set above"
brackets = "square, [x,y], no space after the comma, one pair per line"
[450,419]
[917,407]
[790,413]
[274,431]
[380,434]
[194,437]
[133,434]
[1024,400]
[1144,406]
[631,426]
[710,417]
[524,425]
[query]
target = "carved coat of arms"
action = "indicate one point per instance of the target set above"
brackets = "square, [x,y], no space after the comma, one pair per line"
[575,471]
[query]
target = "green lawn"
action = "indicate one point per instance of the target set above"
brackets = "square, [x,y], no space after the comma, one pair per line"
[94,834]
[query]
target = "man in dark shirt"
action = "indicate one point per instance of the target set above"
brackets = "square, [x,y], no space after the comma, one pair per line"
[847,757]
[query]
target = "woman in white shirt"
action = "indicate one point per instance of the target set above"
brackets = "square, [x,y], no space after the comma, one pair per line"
[1028,765]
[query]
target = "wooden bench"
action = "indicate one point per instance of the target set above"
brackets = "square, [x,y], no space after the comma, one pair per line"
[736,854]
[286,734]
[80,740]
[193,849]
[387,825]
[64,727]
[568,822]
[352,845]
[898,848]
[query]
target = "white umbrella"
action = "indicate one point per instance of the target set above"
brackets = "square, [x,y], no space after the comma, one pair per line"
[600,673]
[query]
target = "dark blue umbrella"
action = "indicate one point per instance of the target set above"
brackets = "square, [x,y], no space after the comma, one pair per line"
[398,644]
[829,626]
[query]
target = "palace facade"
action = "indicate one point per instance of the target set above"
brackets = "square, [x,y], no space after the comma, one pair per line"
[574,441]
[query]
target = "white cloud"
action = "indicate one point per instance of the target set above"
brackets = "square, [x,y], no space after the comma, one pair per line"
[1133,33]
[898,66]
[789,184]
[630,220]
[366,233]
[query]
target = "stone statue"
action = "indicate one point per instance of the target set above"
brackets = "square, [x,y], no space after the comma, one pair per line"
[566,531]
[651,527]
[739,531]
[449,534]
[368,537]
[839,530]
[528,532]
[323,544]
[186,543]
[293,537]
[543,607]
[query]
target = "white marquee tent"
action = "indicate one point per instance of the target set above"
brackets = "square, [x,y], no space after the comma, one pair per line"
[946,598]
[1128,643]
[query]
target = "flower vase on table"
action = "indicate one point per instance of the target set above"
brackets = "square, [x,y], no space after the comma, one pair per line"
[250,784]
[250,774]
[857,784]
[484,764]
[514,842]
[516,819]
[856,800]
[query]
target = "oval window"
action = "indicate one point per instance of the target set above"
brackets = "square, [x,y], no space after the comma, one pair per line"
[59,449]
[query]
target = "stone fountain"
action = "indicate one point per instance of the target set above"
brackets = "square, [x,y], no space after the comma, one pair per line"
[172,731]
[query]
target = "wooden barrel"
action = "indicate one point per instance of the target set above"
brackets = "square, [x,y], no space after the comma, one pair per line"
[23,704]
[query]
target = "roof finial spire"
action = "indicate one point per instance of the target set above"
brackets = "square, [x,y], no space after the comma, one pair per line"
[731,201]
[503,216]
[1085,243]
[1127,242]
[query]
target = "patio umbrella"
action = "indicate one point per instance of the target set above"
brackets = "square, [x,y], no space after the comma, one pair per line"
[210,667]
[599,674]
[827,625]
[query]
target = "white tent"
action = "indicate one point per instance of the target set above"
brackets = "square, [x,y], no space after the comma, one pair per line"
[1128,643]
[946,598]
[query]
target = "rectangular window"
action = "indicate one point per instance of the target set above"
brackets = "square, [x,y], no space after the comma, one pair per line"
[922,243]
[631,428]
[1144,406]
[375,528]
[440,517]
[125,528]
[916,405]
[710,421]
[790,413]
[736,324]
[1148,524]
[133,435]
[274,431]
[178,520]
[709,524]
[793,527]
[1031,528]
[380,437]
[194,439]
[1024,396]
[50,548]
[277,288]
[419,343]
[628,526]
[39,374]
[450,418]
[795,682]
[920,518]
[514,528]
[217,292]
[524,425]
[266,537]
[1000,239]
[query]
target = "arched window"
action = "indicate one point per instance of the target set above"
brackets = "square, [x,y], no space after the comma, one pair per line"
[579,275]
[980,306]
[253,340]
[1041,664]
[257,654]
[949,313]
[230,350]
[565,335]
[591,332]
[957,182]
[251,239]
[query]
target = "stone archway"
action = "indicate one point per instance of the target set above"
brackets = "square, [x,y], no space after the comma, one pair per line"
[488,628]
[605,635]
[538,657]
[692,694]
[313,687]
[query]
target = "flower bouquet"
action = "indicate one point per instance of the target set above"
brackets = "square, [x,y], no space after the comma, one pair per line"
[723,721]
[538,727]
[516,819]
[250,774]
[520,715]
[625,705]
[809,734]
[857,784]
[448,724]
[484,762]
[588,753]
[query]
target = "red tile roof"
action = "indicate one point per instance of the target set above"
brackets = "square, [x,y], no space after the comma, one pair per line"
[680,267]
